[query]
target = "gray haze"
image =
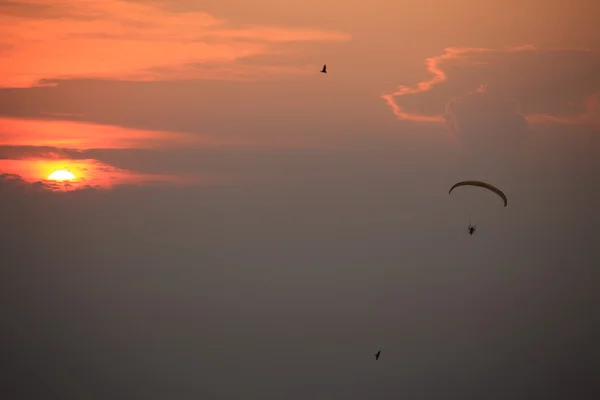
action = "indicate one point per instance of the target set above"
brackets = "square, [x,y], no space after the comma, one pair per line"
[286,287]
[328,233]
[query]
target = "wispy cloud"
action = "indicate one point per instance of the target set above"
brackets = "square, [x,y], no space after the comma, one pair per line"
[549,85]
[80,135]
[112,39]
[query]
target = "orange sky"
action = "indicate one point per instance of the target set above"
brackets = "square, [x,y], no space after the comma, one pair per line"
[167,75]
[132,41]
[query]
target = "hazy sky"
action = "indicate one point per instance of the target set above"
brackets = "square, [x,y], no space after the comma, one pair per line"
[241,226]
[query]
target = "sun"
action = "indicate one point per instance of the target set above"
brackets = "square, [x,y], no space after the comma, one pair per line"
[61,175]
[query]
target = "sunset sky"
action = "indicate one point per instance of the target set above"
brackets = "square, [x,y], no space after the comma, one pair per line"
[190,209]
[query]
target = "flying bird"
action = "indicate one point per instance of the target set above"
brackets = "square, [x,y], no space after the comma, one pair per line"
[324,70]
[377,355]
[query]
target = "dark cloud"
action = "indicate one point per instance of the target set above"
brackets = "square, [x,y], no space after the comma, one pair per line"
[483,118]
[12,185]
[547,84]
[23,152]
[491,132]
[271,112]
[499,102]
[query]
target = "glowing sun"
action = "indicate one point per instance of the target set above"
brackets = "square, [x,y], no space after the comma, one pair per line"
[61,175]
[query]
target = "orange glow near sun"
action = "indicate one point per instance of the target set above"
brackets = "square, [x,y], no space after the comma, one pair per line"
[54,142]
[61,175]
[66,175]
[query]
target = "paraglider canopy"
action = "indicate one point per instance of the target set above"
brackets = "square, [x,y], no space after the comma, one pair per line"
[482,185]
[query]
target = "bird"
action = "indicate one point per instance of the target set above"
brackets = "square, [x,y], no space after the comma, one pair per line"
[324,70]
[377,355]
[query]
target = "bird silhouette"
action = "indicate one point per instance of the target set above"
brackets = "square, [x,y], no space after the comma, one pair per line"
[324,70]
[377,355]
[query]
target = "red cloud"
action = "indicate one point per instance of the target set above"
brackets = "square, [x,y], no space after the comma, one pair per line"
[60,39]
[81,136]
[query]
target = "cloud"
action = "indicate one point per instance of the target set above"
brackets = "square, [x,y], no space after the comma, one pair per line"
[80,135]
[548,85]
[483,120]
[33,149]
[102,155]
[24,152]
[47,40]
[91,173]
[14,184]
[504,106]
